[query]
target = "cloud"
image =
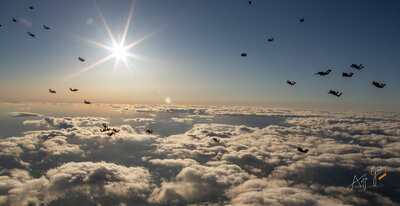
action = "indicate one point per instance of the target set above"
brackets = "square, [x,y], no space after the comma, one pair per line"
[197,182]
[94,179]
[139,120]
[173,162]
[59,145]
[66,122]
[24,114]
[69,157]
[182,120]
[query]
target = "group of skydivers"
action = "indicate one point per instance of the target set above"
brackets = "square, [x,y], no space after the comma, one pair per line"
[72,90]
[322,73]
[33,36]
[30,33]
[344,74]
[112,131]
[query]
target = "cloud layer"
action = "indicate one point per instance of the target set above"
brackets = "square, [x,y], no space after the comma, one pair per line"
[250,165]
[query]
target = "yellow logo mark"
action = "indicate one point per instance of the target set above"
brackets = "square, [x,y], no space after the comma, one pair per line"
[382,176]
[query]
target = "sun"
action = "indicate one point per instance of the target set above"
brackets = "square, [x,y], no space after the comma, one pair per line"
[119,51]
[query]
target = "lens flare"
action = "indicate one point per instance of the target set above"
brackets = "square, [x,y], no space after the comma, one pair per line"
[168,100]
[25,22]
[89,21]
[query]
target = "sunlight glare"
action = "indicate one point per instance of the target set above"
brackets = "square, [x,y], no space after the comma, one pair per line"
[119,51]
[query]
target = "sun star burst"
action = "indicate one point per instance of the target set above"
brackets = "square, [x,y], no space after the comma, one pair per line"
[118,51]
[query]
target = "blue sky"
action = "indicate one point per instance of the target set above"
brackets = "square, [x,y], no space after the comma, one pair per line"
[194,54]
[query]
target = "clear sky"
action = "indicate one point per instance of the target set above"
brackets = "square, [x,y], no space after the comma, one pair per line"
[191,52]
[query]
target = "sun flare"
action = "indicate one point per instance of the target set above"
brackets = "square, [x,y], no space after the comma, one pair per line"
[119,51]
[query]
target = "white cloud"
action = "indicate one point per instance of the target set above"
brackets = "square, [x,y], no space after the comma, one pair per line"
[248,166]
[93,179]
[197,182]
[139,120]
[182,120]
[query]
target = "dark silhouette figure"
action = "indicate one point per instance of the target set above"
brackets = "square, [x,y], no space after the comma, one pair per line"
[344,74]
[73,90]
[105,128]
[30,34]
[243,54]
[0,25]
[323,73]
[14,19]
[301,150]
[149,131]
[355,66]
[86,102]
[115,130]
[52,91]
[81,59]
[216,139]
[335,93]
[110,134]
[301,19]
[377,84]
[249,2]
[271,39]
[46,27]
[31,7]
[290,82]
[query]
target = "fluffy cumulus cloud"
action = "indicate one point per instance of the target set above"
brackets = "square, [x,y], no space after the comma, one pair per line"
[198,182]
[66,122]
[222,158]
[84,178]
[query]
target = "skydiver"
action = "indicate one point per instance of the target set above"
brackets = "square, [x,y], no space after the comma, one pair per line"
[31,7]
[271,39]
[216,139]
[335,93]
[243,54]
[30,34]
[301,19]
[377,84]
[14,19]
[149,131]
[249,2]
[323,73]
[344,74]
[290,82]
[355,66]
[52,91]
[81,59]
[301,150]
[105,128]
[86,102]
[73,90]
[46,27]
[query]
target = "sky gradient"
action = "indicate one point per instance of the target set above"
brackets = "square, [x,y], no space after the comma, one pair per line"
[193,52]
